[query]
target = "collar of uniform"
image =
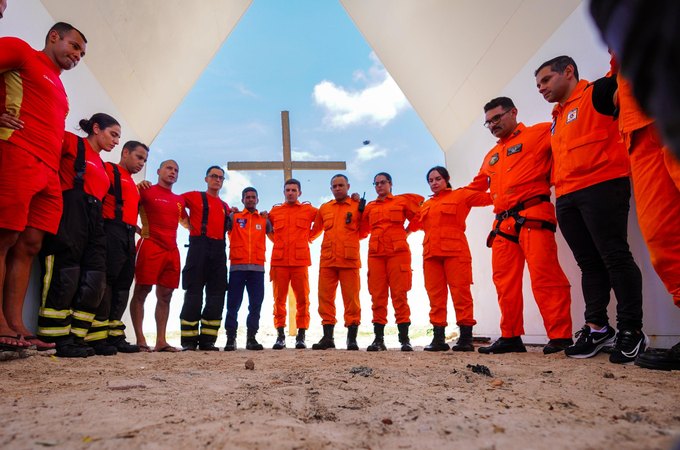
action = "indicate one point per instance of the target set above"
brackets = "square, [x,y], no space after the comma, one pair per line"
[575,95]
[297,203]
[255,211]
[347,200]
[389,196]
[518,129]
[48,62]
[440,193]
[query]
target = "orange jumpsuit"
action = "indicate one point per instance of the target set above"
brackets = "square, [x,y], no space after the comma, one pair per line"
[290,259]
[340,261]
[517,169]
[656,186]
[389,256]
[446,254]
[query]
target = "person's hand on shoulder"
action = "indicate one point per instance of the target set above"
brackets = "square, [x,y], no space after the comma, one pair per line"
[145,184]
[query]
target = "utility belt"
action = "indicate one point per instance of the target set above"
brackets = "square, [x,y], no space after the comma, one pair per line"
[210,241]
[520,221]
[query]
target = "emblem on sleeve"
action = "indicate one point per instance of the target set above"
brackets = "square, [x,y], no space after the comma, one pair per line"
[514,149]
[572,115]
[494,159]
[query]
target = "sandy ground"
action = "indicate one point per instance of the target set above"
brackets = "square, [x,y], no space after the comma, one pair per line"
[308,399]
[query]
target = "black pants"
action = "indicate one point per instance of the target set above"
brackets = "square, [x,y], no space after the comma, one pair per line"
[205,268]
[74,269]
[120,272]
[594,222]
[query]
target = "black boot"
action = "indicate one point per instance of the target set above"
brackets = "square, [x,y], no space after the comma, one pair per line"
[464,342]
[352,331]
[80,342]
[280,339]
[438,343]
[403,337]
[66,348]
[326,341]
[122,345]
[505,345]
[251,342]
[300,339]
[379,341]
[231,340]
[101,347]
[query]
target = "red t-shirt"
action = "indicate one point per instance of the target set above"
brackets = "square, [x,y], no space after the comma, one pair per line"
[161,211]
[96,180]
[31,90]
[129,193]
[217,209]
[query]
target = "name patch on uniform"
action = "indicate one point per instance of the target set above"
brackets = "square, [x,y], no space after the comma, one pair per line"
[494,159]
[242,222]
[572,115]
[514,149]
[258,226]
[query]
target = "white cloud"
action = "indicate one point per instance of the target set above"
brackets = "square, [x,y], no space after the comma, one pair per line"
[369,152]
[234,183]
[243,90]
[379,102]
[306,156]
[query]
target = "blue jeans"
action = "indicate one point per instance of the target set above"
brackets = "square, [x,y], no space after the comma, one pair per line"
[594,222]
[252,281]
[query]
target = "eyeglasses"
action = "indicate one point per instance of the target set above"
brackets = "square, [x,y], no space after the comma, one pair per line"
[495,119]
[214,176]
[380,183]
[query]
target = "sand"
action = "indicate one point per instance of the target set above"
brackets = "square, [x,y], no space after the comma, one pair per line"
[304,399]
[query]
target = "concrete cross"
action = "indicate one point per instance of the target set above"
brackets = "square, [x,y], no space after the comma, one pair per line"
[287,165]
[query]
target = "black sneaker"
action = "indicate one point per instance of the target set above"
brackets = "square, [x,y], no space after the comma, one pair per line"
[557,345]
[629,344]
[505,345]
[590,343]
[660,359]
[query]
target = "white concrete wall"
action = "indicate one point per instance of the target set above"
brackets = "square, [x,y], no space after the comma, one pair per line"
[28,20]
[576,38]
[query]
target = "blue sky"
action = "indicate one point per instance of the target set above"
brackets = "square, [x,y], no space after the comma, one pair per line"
[307,57]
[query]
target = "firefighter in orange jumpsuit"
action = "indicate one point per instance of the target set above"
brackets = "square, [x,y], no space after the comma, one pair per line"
[291,234]
[446,256]
[389,258]
[340,262]
[517,173]
[656,181]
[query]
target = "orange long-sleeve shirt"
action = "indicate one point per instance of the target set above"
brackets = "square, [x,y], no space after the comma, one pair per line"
[586,144]
[518,168]
[340,246]
[292,233]
[443,216]
[384,219]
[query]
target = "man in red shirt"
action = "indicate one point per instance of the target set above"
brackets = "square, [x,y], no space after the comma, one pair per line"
[292,223]
[120,209]
[591,174]
[157,254]
[517,173]
[33,108]
[206,264]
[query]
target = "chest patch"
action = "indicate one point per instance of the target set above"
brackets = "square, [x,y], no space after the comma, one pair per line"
[572,115]
[494,159]
[242,222]
[258,226]
[514,149]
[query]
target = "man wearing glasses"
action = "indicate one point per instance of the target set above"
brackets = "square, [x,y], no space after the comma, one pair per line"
[517,173]
[206,264]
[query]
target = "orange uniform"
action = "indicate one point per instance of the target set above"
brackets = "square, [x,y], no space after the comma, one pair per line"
[340,261]
[446,254]
[247,238]
[656,183]
[389,256]
[585,144]
[292,225]
[517,171]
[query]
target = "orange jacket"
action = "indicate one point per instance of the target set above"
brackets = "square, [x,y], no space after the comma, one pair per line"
[384,219]
[247,238]
[443,216]
[292,233]
[517,169]
[586,144]
[340,246]
[631,116]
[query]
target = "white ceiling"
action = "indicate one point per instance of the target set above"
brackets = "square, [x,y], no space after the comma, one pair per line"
[449,57]
[147,54]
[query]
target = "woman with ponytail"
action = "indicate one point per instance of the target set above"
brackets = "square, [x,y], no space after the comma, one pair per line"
[73,262]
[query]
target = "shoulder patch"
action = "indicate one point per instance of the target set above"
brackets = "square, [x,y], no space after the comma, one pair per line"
[514,149]
[572,115]
[494,159]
